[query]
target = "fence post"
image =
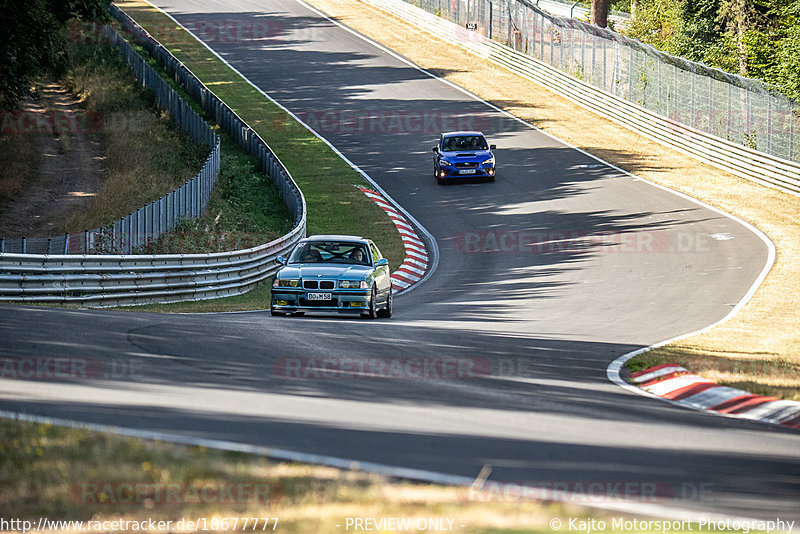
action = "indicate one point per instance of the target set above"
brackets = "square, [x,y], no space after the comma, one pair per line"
[693,90]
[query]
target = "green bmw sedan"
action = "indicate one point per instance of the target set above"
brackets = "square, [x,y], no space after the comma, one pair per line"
[333,273]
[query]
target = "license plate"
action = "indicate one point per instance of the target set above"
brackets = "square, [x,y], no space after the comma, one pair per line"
[468,171]
[318,296]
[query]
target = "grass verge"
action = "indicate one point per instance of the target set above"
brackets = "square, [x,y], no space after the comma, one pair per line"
[759,349]
[334,204]
[255,299]
[79,475]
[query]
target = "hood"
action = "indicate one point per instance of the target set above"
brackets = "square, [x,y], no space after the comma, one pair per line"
[476,154]
[325,271]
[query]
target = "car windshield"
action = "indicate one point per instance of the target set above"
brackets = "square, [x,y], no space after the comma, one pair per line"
[458,143]
[330,252]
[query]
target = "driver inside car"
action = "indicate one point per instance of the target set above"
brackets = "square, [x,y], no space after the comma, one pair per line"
[357,255]
[312,256]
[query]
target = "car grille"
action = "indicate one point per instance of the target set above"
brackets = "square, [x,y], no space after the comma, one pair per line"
[466,165]
[314,284]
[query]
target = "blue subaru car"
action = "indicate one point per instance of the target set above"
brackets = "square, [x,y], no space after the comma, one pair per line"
[463,155]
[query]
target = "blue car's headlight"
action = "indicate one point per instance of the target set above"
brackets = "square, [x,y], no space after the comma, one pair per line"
[286,283]
[445,163]
[353,284]
[489,161]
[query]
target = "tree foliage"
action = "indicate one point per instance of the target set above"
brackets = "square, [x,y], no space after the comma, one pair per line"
[32,40]
[754,38]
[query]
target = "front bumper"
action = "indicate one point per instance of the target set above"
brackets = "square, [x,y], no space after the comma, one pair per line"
[483,171]
[342,301]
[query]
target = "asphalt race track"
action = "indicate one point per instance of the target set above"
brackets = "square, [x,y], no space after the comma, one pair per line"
[615,264]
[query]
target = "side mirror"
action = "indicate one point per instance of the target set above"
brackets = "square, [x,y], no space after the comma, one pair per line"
[492,147]
[281,260]
[435,149]
[381,262]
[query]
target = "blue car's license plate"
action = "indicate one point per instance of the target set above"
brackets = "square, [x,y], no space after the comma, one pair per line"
[467,171]
[318,296]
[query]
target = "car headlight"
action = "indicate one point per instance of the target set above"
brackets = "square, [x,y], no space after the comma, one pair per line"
[445,163]
[286,283]
[353,284]
[489,161]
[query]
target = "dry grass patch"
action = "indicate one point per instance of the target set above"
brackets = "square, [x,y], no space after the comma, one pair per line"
[147,155]
[19,162]
[75,474]
[760,347]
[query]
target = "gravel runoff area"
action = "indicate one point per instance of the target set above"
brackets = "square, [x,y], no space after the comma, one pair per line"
[757,350]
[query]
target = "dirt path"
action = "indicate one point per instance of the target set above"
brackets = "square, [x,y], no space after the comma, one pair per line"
[72,164]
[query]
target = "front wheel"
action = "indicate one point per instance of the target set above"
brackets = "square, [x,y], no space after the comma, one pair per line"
[385,313]
[371,313]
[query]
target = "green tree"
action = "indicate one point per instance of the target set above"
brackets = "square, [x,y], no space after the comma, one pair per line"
[755,38]
[696,29]
[32,40]
[785,71]
[656,23]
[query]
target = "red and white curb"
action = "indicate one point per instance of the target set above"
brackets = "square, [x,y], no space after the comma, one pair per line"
[674,383]
[416,262]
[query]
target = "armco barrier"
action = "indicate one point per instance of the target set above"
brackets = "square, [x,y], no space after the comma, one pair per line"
[732,157]
[106,280]
[113,280]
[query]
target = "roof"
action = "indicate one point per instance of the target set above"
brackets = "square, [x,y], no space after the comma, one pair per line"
[334,237]
[449,134]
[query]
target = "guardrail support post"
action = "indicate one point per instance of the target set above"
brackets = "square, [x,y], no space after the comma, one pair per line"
[491,18]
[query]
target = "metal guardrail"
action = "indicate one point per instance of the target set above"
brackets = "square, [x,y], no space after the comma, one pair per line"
[109,280]
[114,280]
[735,158]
